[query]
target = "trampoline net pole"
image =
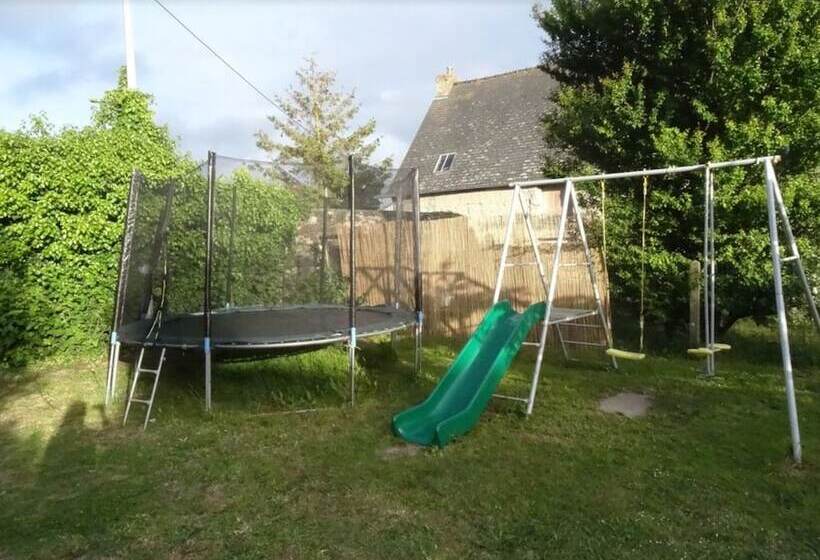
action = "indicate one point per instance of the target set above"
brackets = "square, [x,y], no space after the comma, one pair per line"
[352,267]
[417,277]
[206,310]
[122,281]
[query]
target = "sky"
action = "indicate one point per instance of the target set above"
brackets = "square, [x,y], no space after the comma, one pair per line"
[57,56]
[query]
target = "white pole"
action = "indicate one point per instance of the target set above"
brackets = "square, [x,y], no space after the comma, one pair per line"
[130,59]
[782,326]
[556,263]
[794,257]
[712,273]
[506,246]
[645,172]
[706,264]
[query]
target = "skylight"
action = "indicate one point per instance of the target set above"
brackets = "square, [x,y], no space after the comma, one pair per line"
[444,163]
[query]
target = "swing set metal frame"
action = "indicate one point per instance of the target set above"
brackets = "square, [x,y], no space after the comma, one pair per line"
[555,316]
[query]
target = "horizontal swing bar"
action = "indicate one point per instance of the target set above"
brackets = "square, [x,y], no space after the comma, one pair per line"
[646,172]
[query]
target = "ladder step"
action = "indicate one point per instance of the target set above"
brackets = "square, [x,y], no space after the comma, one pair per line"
[144,370]
[143,401]
[791,258]
[581,343]
[530,344]
[582,325]
[533,263]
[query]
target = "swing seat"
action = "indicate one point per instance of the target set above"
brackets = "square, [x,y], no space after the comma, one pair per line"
[624,354]
[705,352]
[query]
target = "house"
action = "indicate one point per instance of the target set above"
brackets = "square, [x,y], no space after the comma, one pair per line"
[479,136]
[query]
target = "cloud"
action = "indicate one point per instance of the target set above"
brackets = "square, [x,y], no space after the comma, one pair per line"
[56,56]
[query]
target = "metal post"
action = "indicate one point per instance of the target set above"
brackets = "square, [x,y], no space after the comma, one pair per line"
[110,369]
[706,265]
[397,241]
[229,279]
[206,309]
[782,326]
[506,245]
[323,257]
[418,286]
[712,273]
[556,262]
[795,252]
[351,344]
[593,279]
[130,59]
[122,283]
[115,364]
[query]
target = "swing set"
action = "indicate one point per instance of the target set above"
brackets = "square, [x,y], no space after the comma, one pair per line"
[558,317]
[709,275]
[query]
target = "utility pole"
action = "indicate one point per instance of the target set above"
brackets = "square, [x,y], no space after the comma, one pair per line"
[130,60]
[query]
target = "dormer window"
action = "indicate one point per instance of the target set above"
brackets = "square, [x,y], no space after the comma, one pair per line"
[444,163]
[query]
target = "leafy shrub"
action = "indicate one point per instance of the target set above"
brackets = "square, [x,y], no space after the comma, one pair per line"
[62,202]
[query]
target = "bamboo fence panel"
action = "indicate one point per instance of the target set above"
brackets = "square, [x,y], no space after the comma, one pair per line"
[460,260]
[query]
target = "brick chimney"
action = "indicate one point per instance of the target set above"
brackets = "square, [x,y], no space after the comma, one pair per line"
[444,82]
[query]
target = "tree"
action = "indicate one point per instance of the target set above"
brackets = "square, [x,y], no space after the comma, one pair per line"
[62,203]
[317,131]
[650,83]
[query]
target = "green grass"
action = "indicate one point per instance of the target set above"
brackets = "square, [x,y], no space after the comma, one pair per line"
[706,475]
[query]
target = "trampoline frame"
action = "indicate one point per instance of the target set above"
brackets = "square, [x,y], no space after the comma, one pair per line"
[116,342]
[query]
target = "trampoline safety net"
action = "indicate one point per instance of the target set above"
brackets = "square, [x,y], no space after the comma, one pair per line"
[259,253]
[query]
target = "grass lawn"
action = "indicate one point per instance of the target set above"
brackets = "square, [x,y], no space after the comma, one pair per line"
[706,475]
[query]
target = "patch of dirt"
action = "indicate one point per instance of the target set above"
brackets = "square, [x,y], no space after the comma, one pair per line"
[215,500]
[631,405]
[398,451]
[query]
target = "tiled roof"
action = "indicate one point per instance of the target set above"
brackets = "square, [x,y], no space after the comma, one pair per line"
[492,124]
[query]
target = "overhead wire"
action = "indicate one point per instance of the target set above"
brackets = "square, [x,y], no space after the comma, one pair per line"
[231,67]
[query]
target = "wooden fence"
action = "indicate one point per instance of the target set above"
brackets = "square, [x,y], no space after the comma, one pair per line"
[460,260]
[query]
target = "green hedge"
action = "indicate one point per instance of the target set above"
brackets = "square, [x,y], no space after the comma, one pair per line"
[62,201]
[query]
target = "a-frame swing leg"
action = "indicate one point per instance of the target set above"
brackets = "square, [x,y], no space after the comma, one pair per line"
[794,257]
[782,324]
[551,287]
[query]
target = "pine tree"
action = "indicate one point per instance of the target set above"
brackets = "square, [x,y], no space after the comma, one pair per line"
[317,131]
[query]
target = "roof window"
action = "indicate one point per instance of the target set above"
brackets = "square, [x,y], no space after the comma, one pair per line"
[444,163]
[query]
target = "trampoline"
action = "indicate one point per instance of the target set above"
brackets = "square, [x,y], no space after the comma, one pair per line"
[267,330]
[244,259]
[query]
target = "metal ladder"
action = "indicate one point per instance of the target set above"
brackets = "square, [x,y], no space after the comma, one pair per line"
[139,370]
[570,342]
[570,210]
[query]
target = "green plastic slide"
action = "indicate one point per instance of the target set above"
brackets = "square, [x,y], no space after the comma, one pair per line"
[455,405]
